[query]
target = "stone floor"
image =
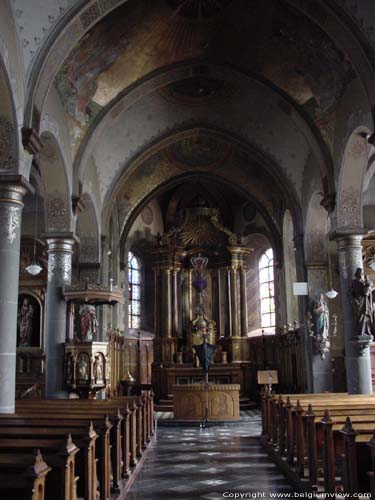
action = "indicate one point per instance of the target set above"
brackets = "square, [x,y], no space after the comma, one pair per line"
[190,463]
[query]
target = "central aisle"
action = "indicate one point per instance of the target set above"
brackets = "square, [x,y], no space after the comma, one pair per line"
[189,463]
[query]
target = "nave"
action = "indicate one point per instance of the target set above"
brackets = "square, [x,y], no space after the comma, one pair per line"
[186,463]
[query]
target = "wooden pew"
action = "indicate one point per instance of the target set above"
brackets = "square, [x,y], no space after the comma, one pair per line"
[102,427]
[85,437]
[309,438]
[85,460]
[139,426]
[122,455]
[23,476]
[60,455]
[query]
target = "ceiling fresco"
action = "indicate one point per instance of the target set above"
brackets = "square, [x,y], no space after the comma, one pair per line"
[267,38]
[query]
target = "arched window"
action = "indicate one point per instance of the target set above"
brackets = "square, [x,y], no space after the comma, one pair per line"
[267,290]
[134,279]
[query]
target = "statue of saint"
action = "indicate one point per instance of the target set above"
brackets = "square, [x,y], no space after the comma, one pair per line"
[360,291]
[83,367]
[89,322]
[321,317]
[25,322]
[98,368]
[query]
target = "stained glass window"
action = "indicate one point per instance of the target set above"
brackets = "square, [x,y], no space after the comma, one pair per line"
[267,290]
[134,279]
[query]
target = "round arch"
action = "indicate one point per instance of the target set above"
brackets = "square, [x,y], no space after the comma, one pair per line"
[73,27]
[316,230]
[88,232]
[352,176]
[56,186]
[290,266]
[9,141]
[274,235]
[260,87]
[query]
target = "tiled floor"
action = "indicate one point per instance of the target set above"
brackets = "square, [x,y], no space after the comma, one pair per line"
[190,463]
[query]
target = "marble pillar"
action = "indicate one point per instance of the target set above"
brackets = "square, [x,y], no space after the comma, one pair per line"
[11,195]
[60,250]
[357,352]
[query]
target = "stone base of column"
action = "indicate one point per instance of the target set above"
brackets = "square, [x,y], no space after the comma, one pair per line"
[358,366]
[322,374]
[239,348]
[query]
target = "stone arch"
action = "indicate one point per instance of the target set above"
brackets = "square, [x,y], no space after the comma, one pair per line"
[352,175]
[125,102]
[290,267]
[56,186]
[74,26]
[88,232]
[9,143]
[316,229]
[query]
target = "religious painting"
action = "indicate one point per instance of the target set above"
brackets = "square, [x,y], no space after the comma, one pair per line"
[29,321]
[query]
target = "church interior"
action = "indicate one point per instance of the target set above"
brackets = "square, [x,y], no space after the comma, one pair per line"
[187,242]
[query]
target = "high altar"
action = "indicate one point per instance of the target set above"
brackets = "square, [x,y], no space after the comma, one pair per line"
[199,232]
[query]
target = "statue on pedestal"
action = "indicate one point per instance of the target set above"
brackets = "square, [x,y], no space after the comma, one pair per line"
[25,322]
[362,305]
[88,323]
[321,317]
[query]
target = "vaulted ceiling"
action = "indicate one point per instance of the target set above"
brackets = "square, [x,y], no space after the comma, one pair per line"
[268,39]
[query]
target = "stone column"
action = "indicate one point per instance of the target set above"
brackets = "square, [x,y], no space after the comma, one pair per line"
[234,301]
[11,195]
[229,302]
[60,250]
[167,302]
[243,289]
[167,342]
[357,352]
[175,318]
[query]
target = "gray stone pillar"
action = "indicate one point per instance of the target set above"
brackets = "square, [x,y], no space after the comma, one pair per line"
[60,250]
[357,352]
[234,302]
[11,195]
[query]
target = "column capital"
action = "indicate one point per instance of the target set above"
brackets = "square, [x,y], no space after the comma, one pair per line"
[349,235]
[60,242]
[13,188]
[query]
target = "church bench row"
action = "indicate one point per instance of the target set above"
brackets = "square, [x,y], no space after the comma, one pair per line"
[23,476]
[309,438]
[37,432]
[59,453]
[124,427]
[137,427]
[334,399]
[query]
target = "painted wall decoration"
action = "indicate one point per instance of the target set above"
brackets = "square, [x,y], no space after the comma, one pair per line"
[29,318]
[138,38]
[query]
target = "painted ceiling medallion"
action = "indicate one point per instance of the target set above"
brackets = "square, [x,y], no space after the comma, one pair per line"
[198,9]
